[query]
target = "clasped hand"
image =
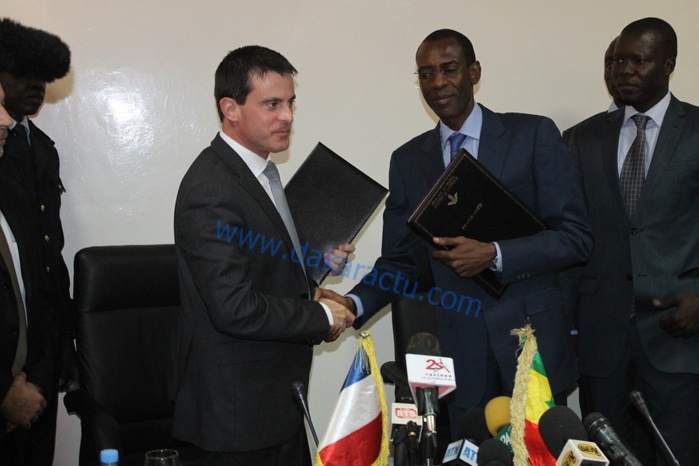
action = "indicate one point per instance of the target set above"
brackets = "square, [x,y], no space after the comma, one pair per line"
[342,309]
[466,257]
[23,403]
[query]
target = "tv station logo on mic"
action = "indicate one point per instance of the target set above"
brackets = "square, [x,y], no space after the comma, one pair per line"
[402,413]
[581,453]
[430,371]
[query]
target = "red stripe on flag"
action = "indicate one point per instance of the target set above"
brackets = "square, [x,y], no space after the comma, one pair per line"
[360,448]
[539,454]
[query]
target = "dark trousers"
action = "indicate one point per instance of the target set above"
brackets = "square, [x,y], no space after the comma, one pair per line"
[495,386]
[673,401]
[293,453]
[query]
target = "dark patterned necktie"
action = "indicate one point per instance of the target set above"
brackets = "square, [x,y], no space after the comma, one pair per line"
[22,133]
[633,170]
[455,141]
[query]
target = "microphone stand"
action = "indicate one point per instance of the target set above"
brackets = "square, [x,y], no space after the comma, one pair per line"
[412,431]
[428,407]
[639,401]
[399,439]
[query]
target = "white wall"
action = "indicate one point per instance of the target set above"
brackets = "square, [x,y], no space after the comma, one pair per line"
[137,106]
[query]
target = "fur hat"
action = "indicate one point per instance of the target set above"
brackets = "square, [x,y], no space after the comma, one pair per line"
[32,53]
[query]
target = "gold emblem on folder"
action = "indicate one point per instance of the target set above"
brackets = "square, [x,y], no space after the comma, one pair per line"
[453,198]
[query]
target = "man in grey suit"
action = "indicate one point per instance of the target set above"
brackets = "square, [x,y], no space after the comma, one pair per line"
[641,178]
[526,153]
[248,323]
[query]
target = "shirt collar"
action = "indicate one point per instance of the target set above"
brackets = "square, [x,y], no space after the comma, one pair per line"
[656,113]
[24,122]
[471,127]
[255,163]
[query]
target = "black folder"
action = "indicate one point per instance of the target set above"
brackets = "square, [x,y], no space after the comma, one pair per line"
[331,200]
[467,200]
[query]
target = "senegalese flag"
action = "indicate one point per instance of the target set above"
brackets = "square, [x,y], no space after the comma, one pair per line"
[358,431]
[531,397]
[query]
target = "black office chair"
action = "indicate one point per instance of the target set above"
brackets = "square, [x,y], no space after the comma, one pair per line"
[127,304]
[411,316]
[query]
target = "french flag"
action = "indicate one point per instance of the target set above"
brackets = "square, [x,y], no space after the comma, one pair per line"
[358,431]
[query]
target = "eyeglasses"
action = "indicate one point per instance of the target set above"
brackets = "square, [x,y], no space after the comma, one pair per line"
[448,71]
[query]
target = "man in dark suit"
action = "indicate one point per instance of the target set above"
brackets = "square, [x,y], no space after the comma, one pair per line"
[608,82]
[527,154]
[21,402]
[570,278]
[30,187]
[641,179]
[248,324]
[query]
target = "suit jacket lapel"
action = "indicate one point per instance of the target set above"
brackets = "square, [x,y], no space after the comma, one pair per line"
[249,183]
[491,150]
[432,163]
[664,149]
[38,149]
[610,151]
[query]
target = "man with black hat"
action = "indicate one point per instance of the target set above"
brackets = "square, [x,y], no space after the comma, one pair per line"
[30,192]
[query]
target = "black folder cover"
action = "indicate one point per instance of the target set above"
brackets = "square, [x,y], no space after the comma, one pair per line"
[467,200]
[331,200]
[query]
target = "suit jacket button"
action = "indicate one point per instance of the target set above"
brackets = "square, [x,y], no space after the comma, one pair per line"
[629,277]
[634,231]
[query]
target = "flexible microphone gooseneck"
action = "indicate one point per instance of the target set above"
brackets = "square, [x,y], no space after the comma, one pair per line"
[298,389]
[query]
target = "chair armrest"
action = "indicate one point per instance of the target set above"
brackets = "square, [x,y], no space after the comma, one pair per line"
[99,428]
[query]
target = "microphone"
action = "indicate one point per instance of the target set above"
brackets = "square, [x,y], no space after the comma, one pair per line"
[581,453]
[405,420]
[493,452]
[602,433]
[473,426]
[392,373]
[430,377]
[566,438]
[639,402]
[557,425]
[497,417]
[298,390]
[472,432]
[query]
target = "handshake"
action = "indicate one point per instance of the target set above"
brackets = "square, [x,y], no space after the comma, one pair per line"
[343,309]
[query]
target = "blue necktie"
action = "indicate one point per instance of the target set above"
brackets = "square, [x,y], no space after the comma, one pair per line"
[455,141]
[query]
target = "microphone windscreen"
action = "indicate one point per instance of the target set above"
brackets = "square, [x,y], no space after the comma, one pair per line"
[558,425]
[639,402]
[593,422]
[493,452]
[473,426]
[424,343]
[392,373]
[497,413]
